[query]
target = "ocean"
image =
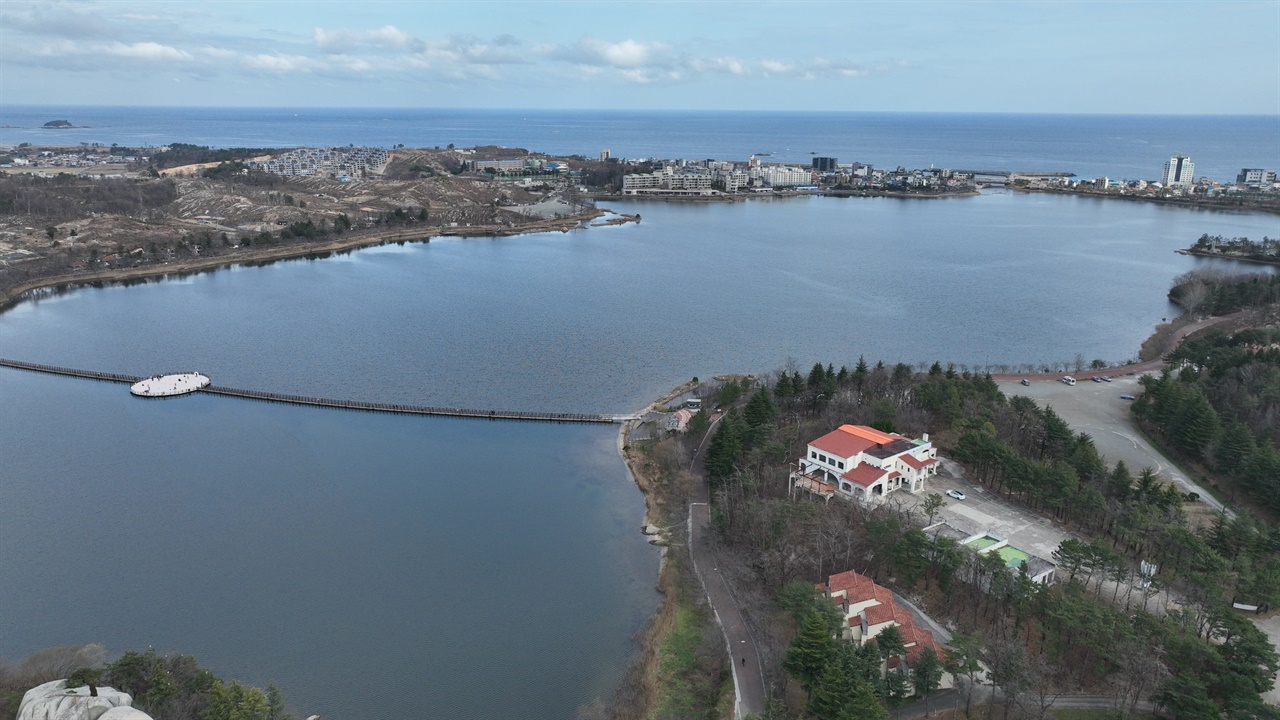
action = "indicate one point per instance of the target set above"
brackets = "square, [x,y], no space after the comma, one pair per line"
[1118,146]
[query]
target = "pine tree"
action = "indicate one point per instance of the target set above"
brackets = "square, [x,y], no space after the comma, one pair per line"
[926,675]
[865,706]
[817,378]
[1234,449]
[811,652]
[1197,423]
[834,692]
[760,409]
[860,372]
[783,389]
[726,447]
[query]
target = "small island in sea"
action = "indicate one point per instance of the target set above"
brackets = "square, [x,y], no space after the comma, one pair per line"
[61,125]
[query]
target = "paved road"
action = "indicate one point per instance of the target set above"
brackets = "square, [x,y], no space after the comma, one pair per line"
[748,680]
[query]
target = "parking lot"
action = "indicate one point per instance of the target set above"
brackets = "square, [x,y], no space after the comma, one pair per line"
[1096,408]
[984,511]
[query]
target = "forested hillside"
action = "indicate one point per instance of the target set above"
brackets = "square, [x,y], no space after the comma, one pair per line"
[1101,629]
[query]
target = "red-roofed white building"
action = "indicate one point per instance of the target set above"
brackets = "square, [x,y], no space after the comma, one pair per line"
[870,608]
[864,464]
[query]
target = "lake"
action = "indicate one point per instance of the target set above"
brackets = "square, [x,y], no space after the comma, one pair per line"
[380,566]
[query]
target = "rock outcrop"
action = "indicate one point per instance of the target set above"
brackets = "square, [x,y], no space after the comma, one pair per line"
[55,701]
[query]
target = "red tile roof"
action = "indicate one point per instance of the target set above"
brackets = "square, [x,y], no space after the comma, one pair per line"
[917,464]
[864,475]
[847,441]
[877,614]
[870,433]
[858,586]
[841,443]
[912,462]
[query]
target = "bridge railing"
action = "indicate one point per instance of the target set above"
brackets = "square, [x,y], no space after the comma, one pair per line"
[330,402]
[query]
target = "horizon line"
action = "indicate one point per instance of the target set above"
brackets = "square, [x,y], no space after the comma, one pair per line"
[647,111]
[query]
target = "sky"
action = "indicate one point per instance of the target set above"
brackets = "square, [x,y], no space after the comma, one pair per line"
[1156,56]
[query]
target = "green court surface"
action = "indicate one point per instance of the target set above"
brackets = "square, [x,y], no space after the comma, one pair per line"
[1013,557]
[982,543]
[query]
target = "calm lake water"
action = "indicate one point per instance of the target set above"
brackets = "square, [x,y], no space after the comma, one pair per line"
[382,566]
[605,319]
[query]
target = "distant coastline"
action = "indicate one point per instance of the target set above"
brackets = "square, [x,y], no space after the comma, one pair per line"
[1224,203]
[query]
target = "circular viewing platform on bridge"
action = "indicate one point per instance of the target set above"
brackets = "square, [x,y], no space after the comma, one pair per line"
[169,385]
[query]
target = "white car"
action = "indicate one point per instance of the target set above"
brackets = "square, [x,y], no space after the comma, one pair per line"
[955,494]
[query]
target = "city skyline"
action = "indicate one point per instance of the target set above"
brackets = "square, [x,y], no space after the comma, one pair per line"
[1074,57]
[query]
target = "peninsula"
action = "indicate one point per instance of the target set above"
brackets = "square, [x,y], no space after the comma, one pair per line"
[1265,252]
[74,215]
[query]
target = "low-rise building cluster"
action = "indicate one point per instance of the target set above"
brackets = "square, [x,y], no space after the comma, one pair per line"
[518,166]
[1176,180]
[340,162]
[865,465]
[711,177]
[66,159]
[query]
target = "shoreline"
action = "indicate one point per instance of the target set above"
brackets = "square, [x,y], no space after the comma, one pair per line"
[736,197]
[1174,201]
[1224,256]
[642,671]
[11,297]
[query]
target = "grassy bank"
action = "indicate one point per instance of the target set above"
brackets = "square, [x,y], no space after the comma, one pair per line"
[681,668]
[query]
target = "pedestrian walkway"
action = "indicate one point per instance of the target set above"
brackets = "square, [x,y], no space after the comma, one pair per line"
[748,680]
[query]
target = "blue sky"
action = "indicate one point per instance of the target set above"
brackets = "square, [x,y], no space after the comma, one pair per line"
[1199,57]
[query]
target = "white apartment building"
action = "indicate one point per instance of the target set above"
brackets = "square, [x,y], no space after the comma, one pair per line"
[1178,171]
[786,176]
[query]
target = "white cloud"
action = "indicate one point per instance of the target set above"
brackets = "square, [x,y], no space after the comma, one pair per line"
[343,41]
[219,53]
[55,19]
[149,51]
[628,54]
[281,63]
[469,50]
[652,62]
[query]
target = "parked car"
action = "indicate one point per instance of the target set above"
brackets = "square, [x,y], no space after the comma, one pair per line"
[955,494]
[1068,380]
[1106,378]
[1026,381]
[1097,379]
[1126,397]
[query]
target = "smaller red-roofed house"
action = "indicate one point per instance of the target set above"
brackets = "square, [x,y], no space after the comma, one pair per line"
[864,464]
[870,608]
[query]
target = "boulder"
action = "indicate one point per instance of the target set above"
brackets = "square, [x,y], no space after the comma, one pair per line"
[55,701]
[651,530]
[124,712]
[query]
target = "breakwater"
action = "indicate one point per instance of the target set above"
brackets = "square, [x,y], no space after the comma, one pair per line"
[361,405]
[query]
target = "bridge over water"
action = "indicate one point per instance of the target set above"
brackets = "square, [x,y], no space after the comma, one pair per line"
[332,403]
